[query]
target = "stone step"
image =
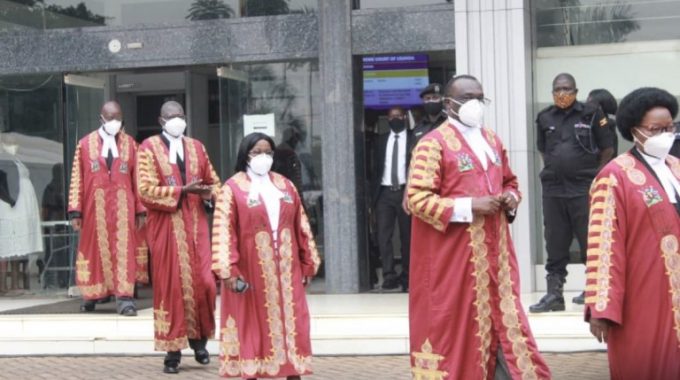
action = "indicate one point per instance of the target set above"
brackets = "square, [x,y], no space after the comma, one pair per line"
[340,325]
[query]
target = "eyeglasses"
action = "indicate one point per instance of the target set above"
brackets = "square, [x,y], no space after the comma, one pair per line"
[657,129]
[254,153]
[461,101]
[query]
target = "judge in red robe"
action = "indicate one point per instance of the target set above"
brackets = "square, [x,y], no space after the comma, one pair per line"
[466,319]
[633,267]
[104,206]
[261,237]
[176,180]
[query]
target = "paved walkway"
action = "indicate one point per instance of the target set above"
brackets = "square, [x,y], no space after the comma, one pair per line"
[582,366]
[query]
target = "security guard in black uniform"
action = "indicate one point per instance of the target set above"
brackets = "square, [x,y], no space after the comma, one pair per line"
[575,141]
[434,117]
[432,103]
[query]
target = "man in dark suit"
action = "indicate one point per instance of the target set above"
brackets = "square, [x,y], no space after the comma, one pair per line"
[390,161]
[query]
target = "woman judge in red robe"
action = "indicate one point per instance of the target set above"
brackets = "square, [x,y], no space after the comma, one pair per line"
[264,250]
[633,267]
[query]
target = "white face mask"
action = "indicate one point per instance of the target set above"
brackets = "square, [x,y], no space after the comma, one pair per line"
[261,164]
[112,127]
[175,127]
[470,113]
[658,145]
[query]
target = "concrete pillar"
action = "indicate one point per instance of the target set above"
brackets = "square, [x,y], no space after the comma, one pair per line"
[342,234]
[493,43]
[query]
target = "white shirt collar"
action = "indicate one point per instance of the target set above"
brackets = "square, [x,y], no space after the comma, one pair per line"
[176,147]
[108,143]
[261,185]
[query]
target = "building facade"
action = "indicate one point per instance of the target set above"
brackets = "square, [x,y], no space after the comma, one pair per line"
[304,62]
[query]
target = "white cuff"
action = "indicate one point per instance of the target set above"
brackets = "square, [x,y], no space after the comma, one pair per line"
[462,210]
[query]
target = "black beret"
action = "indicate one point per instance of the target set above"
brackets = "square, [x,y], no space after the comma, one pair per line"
[432,88]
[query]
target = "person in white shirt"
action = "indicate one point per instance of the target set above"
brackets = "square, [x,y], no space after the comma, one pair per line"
[390,164]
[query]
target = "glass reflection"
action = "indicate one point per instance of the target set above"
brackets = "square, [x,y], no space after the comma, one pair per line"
[368,4]
[57,14]
[582,22]
[31,177]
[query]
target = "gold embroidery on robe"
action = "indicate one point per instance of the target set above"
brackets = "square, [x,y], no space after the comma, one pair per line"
[193,157]
[482,297]
[83,268]
[221,241]
[422,200]
[148,182]
[230,345]
[74,190]
[122,233]
[93,146]
[161,325]
[142,260]
[242,181]
[301,363]
[671,254]
[186,271]
[103,237]
[449,135]
[307,231]
[161,157]
[92,291]
[171,345]
[509,310]
[124,147]
[627,163]
[279,181]
[603,210]
[426,365]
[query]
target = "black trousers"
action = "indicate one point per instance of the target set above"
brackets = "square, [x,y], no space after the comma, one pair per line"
[564,219]
[388,211]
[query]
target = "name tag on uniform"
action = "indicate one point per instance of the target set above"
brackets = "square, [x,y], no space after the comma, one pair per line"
[123,167]
[94,165]
[581,126]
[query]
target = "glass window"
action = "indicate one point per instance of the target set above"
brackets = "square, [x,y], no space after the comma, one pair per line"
[582,22]
[32,185]
[56,14]
[623,60]
[289,91]
[369,4]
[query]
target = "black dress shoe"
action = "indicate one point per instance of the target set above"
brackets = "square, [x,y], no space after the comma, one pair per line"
[171,366]
[202,356]
[129,311]
[87,306]
[579,299]
[390,283]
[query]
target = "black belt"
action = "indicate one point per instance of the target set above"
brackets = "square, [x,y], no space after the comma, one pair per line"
[395,188]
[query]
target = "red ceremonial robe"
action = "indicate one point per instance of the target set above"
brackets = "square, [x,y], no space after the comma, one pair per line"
[464,295]
[265,330]
[107,201]
[633,269]
[177,232]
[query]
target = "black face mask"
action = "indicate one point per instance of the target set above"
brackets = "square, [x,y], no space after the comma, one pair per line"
[432,108]
[397,125]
